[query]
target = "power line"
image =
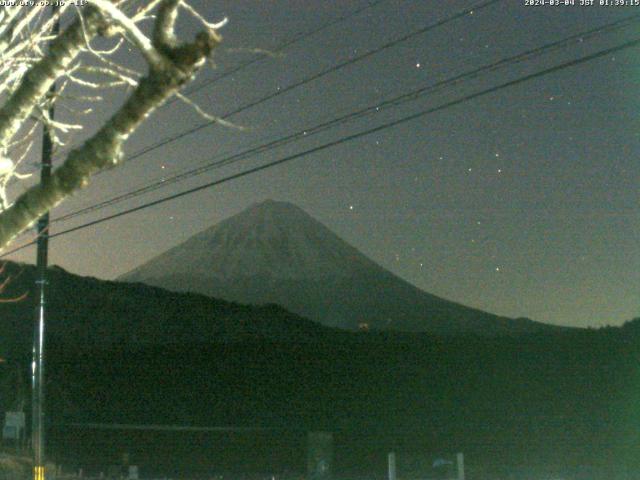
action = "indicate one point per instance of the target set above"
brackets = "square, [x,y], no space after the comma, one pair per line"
[297,38]
[630,44]
[282,46]
[395,101]
[323,73]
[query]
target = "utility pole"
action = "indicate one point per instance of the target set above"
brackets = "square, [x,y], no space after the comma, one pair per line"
[391,463]
[37,366]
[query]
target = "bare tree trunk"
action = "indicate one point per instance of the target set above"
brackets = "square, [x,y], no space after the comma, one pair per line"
[170,67]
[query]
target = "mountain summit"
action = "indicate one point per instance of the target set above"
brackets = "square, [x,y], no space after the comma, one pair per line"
[274,252]
[274,240]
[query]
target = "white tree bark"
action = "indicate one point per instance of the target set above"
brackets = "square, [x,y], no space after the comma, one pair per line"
[170,66]
[37,82]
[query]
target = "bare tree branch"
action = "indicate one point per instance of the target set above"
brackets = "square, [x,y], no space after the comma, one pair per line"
[175,65]
[37,82]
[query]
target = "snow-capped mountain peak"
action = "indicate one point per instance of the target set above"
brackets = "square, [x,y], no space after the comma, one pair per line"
[276,240]
[274,252]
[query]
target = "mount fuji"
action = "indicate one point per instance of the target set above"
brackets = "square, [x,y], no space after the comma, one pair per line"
[274,252]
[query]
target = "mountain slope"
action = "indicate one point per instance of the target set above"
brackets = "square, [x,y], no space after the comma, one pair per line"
[123,353]
[274,252]
[87,312]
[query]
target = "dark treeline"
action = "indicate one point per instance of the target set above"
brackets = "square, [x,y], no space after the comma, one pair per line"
[563,401]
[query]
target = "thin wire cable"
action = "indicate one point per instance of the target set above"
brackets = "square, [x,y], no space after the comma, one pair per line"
[476,7]
[629,44]
[370,110]
[297,38]
[323,73]
[279,48]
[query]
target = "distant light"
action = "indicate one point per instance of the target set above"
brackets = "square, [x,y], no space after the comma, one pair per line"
[417,65]
[499,170]
[350,207]
[497,269]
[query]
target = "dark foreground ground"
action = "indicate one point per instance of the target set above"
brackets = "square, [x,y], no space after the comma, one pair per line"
[563,404]
[538,408]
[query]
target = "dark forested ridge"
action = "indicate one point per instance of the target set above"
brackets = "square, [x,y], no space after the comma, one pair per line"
[123,353]
[85,311]
[566,401]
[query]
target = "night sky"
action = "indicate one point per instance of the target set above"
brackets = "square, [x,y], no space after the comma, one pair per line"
[523,202]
